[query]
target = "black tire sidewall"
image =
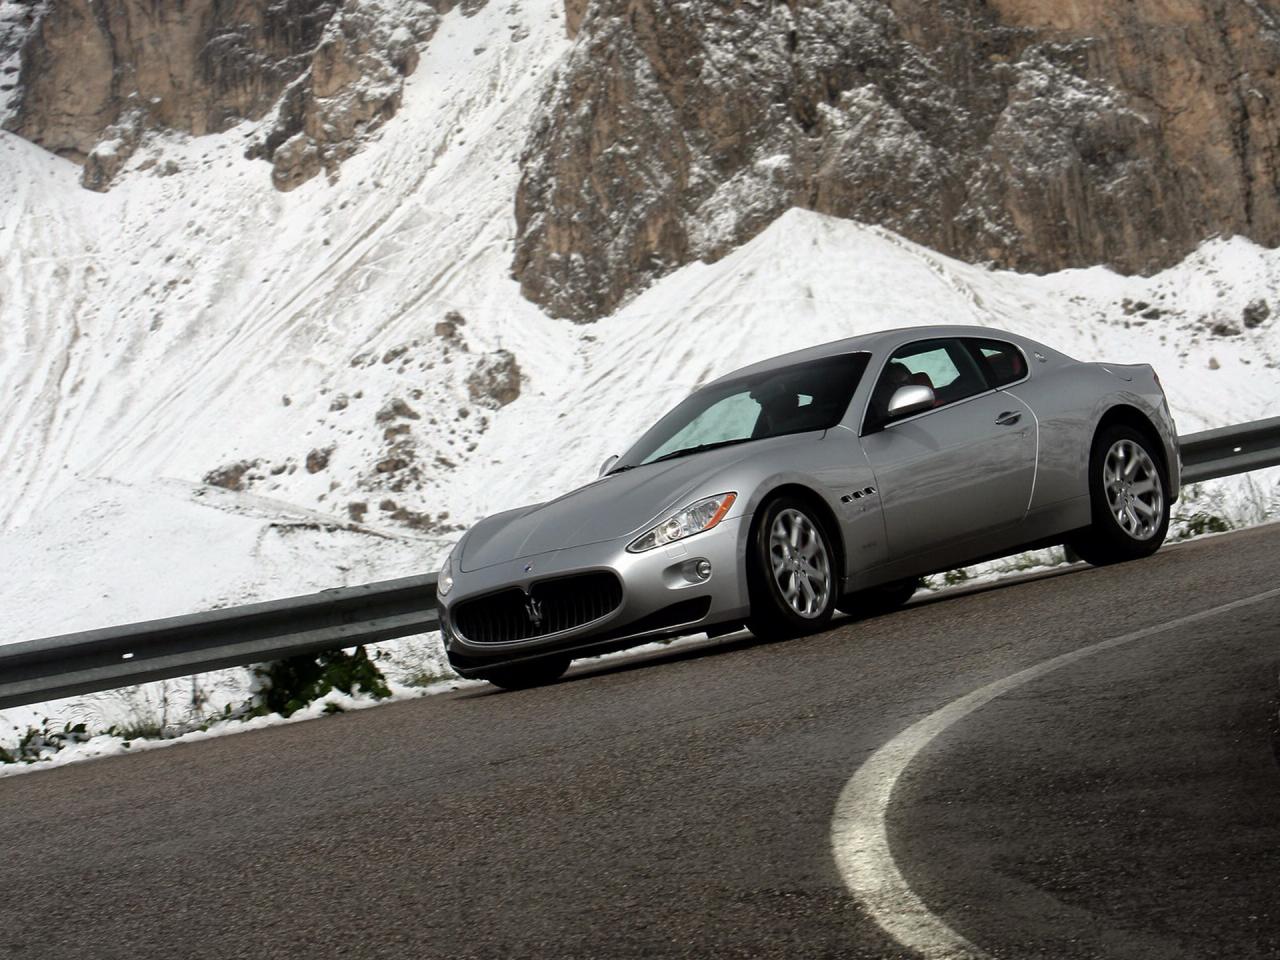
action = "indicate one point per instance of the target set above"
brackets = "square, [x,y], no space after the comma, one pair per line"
[770,612]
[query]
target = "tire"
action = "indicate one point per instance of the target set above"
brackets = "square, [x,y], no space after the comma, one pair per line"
[523,676]
[882,599]
[791,571]
[1129,497]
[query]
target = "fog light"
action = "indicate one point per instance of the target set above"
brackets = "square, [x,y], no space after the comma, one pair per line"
[690,573]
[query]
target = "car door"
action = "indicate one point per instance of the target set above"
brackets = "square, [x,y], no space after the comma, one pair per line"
[959,471]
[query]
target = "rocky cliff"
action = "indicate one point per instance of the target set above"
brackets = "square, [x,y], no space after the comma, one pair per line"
[98,75]
[1026,133]
[17,18]
[1031,134]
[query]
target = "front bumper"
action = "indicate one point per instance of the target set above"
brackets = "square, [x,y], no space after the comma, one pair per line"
[1172,450]
[660,596]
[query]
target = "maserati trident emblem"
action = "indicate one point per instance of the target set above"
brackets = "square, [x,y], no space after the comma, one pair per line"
[533,609]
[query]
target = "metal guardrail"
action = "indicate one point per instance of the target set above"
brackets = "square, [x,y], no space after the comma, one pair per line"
[77,663]
[38,670]
[1230,450]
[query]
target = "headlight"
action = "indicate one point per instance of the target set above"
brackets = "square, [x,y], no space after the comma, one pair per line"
[444,583]
[695,518]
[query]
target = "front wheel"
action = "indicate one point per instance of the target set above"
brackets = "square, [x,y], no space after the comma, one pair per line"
[1129,500]
[791,571]
[525,675]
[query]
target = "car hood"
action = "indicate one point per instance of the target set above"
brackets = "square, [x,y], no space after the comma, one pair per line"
[610,508]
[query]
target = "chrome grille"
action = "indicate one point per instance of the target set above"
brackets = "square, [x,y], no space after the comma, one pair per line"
[550,607]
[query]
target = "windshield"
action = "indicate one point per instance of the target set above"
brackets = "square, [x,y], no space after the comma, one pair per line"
[795,399]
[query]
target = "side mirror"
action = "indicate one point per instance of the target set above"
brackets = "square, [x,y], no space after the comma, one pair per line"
[607,465]
[913,398]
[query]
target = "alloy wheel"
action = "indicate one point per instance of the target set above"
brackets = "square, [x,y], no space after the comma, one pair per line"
[1135,492]
[800,562]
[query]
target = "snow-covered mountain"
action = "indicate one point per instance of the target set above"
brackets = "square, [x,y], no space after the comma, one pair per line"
[215,391]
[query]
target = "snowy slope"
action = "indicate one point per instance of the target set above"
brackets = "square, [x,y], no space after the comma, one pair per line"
[169,319]
[194,318]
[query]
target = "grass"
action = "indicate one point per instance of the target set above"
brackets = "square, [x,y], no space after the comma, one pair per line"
[1018,563]
[284,687]
[422,664]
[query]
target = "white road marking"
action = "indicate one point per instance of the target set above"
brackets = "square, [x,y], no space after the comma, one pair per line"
[859,835]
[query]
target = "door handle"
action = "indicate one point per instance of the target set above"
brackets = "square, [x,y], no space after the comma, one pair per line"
[1008,418]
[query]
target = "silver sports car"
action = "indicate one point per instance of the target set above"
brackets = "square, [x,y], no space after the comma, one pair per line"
[828,479]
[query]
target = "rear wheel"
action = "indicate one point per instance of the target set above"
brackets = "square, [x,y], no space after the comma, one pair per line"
[525,675]
[1129,499]
[882,599]
[790,570]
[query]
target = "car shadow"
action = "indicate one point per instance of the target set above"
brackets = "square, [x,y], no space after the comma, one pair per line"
[698,647]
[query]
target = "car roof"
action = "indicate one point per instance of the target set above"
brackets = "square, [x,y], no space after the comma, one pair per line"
[879,341]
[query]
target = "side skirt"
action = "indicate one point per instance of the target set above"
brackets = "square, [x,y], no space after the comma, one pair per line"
[1045,527]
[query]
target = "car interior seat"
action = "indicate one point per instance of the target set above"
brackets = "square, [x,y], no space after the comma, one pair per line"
[1008,367]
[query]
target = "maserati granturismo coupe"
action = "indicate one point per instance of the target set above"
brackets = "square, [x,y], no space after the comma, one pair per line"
[829,479]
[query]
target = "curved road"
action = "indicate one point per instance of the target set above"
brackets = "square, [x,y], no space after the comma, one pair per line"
[1125,804]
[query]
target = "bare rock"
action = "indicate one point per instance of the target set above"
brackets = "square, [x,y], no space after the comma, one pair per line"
[354,85]
[112,152]
[414,519]
[232,476]
[1224,329]
[18,18]
[295,162]
[395,353]
[327,71]
[396,407]
[391,464]
[318,459]
[496,379]
[1031,134]
[1256,314]
[356,510]
[450,329]
[575,11]
[200,67]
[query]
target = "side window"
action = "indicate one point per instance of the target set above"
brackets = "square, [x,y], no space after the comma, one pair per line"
[933,368]
[1002,363]
[945,366]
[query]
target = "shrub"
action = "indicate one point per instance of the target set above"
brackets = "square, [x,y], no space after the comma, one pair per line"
[38,743]
[295,682]
[1200,523]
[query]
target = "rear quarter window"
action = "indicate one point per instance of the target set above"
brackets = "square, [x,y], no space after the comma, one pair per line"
[1002,363]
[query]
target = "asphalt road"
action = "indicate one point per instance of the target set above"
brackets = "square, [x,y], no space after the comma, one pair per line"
[680,804]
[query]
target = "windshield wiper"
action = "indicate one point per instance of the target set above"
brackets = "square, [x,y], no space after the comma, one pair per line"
[686,451]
